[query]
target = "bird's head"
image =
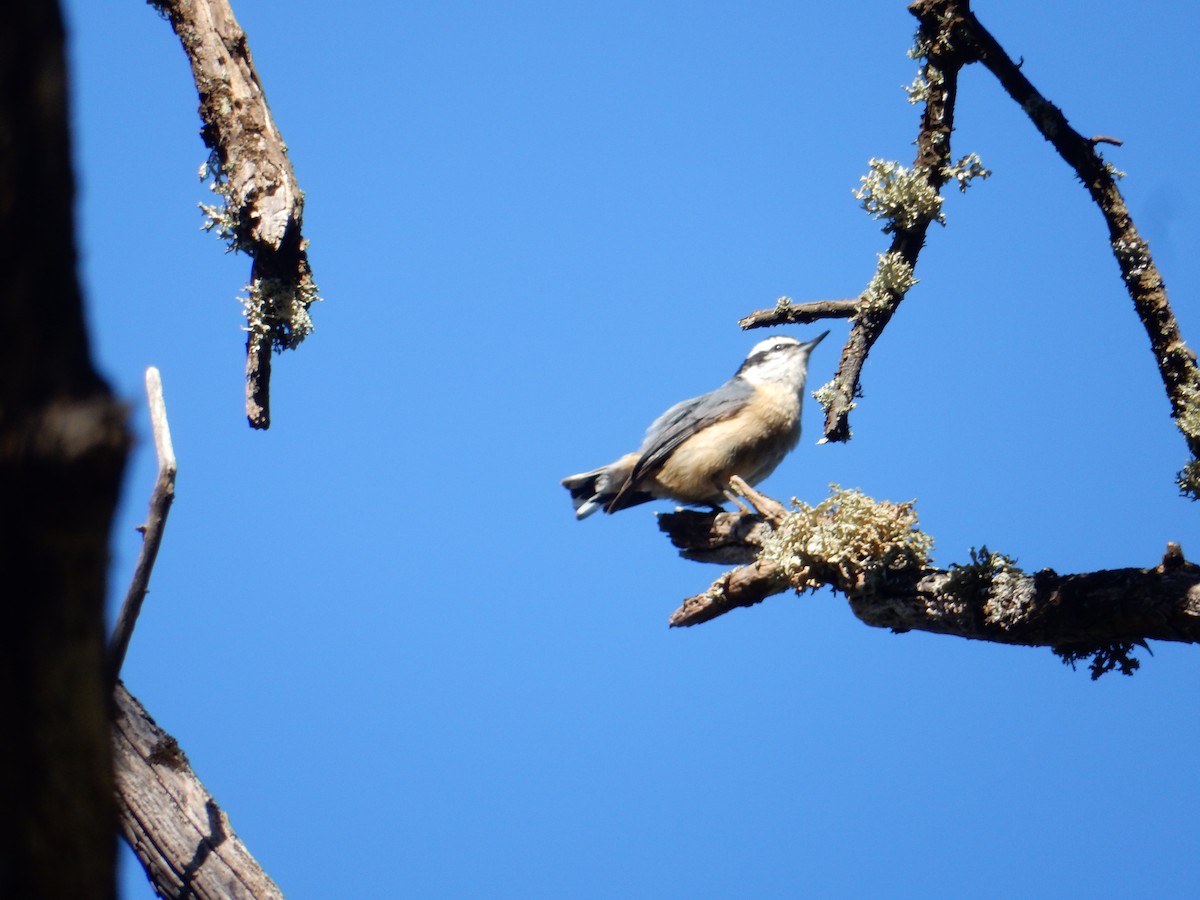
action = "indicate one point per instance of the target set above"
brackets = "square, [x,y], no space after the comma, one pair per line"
[778,359]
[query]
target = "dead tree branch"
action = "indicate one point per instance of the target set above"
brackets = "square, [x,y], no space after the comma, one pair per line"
[173,824]
[264,206]
[152,532]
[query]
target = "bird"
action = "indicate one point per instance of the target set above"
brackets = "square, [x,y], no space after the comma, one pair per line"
[745,427]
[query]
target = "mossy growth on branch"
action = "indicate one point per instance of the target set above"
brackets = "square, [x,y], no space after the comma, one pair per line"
[848,540]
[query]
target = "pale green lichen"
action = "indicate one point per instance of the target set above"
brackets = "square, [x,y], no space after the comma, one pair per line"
[826,394]
[891,281]
[278,312]
[1133,255]
[848,540]
[920,47]
[901,196]
[1188,479]
[1187,420]
[1114,172]
[220,218]
[924,84]
[923,47]
[992,583]
[782,303]
[975,579]
[967,168]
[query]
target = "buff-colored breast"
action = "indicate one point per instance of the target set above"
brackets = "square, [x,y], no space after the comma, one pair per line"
[751,444]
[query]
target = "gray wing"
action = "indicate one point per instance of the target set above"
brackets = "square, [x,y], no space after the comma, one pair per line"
[684,419]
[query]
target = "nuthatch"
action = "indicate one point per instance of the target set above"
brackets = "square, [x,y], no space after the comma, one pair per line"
[745,427]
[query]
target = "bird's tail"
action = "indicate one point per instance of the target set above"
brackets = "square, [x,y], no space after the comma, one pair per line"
[595,490]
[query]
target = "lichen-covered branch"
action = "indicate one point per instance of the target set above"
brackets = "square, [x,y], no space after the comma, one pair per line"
[908,200]
[263,207]
[874,554]
[1176,362]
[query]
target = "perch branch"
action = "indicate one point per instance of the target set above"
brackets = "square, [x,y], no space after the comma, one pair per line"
[1176,363]
[996,603]
[173,824]
[728,538]
[264,206]
[160,505]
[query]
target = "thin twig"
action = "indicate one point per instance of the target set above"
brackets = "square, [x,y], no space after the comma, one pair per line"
[800,313]
[152,531]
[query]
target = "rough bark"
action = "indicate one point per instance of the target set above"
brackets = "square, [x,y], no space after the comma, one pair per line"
[63,445]
[942,65]
[1000,604]
[173,824]
[265,205]
[953,37]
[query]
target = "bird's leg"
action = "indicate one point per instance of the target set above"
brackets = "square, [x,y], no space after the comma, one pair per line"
[771,510]
[736,500]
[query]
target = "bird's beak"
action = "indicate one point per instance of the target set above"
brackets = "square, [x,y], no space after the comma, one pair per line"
[820,337]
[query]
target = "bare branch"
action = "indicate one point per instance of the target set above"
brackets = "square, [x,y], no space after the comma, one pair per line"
[173,824]
[788,313]
[160,505]
[744,586]
[264,205]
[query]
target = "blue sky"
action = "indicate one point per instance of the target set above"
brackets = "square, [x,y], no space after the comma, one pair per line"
[386,646]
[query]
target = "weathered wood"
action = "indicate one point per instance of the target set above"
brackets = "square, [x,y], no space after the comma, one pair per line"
[161,499]
[184,840]
[265,206]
